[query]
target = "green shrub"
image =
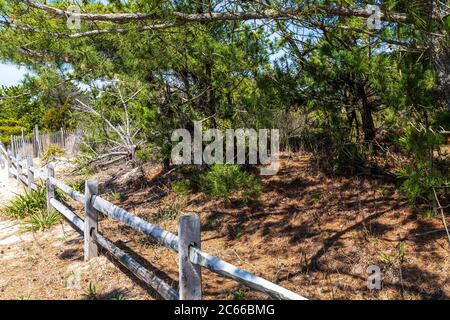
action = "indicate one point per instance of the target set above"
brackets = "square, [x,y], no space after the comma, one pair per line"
[41,220]
[145,154]
[333,149]
[442,120]
[420,181]
[181,187]
[421,175]
[13,127]
[26,205]
[226,181]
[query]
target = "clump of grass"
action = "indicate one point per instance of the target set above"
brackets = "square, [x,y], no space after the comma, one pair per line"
[427,214]
[117,296]
[314,198]
[173,208]
[30,203]
[117,196]
[51,152]
[165,214]
[182,187]
[31,207]
[237,295]
[91,291]
[41,220]
[386,259]
[26,205]
[78,185]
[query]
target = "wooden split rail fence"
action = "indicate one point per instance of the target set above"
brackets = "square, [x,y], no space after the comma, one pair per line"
[187,243]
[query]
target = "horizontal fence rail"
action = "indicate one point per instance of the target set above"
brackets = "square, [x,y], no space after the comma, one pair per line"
[186,243]
[137,269]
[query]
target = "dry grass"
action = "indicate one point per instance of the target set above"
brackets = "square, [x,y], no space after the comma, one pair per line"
[311,233]
[49,265]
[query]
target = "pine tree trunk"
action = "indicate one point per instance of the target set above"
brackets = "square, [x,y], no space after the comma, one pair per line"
[368,125]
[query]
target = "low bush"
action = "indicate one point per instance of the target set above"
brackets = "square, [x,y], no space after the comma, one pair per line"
[227,181]
[421,175]
[334,151]
[182,187]
[145,154]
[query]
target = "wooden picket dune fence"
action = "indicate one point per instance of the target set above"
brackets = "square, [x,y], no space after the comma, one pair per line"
[187,244]
[36,144]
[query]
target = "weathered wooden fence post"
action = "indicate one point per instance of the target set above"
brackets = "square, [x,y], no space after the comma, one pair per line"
[50,188]
[190,274]
[35,142]
[30,174]
[63,145]
[18,167]
[90,221]
[12,145]
[23,142]
[10,175]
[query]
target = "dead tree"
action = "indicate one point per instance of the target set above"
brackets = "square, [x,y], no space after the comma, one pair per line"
[121,138]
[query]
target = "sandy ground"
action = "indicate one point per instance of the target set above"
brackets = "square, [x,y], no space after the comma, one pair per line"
[8,187]
[9,230]
[312,233]
[49,265]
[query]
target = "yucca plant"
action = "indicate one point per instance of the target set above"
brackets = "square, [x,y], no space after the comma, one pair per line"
[91,291]
[22,206]
[27,204]
[41,220]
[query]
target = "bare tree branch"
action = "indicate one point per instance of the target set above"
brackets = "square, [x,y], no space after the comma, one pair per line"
[442,213]
[32,54]
[126,133]
[221,16]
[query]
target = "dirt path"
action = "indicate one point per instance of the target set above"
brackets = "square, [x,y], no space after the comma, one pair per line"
[8,187]
[49,265]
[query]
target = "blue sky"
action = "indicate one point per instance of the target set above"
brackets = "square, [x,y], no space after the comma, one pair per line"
[11,74]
